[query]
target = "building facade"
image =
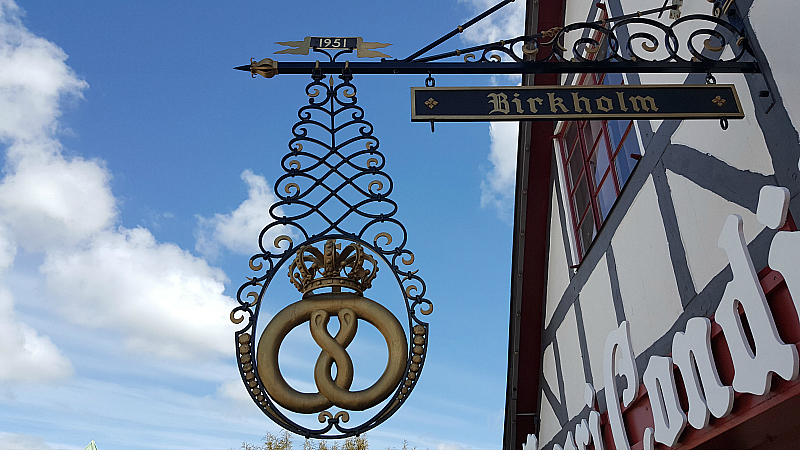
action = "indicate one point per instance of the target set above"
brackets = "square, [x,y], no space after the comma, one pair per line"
[655,292]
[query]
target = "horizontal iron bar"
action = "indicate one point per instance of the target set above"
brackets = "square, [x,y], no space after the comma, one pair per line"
[526,67]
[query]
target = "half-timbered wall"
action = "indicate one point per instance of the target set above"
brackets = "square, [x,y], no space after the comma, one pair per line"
[656,262]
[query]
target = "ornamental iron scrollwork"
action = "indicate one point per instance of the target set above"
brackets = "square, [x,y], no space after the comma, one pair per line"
[626,39]
[334,182]
[639,42]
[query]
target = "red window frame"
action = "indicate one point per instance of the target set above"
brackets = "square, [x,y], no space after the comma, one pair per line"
[590,158]
[586,146]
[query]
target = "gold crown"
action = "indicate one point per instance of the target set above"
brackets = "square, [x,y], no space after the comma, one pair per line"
[335,269]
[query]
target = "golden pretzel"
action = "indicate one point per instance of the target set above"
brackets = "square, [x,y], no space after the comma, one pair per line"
[317,311]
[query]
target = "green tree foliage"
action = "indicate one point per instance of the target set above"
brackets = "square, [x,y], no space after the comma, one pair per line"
[404,447]
[284,442]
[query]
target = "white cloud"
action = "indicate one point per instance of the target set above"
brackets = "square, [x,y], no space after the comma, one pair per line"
[497,186]
[50,201]
[161,298]
[507,23]
[238,231]
[8,249]
[33,78]
[450,446]
[236,391]
[12,441]
[45,198]
[25,356]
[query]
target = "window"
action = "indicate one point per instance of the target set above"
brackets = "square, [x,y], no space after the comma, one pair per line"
[596,159]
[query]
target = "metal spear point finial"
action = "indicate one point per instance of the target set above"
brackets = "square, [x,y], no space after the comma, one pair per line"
[267,68]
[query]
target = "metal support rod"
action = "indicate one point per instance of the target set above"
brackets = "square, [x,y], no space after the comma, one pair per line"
[459,29]
[521,38]
[638,14]
[526,67]
[539,35]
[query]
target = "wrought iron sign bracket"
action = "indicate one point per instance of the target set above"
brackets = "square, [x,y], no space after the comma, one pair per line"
[334,198]
[631,43]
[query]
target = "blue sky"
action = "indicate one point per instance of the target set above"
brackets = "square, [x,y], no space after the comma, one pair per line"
[137,172]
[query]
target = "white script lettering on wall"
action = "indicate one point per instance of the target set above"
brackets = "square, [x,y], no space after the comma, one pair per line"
[593,424]
[583,436]
[618,343]
[691,352]
[649,439]
[669,418]
[752,367]
[785,249]
[773,206]
[531,443]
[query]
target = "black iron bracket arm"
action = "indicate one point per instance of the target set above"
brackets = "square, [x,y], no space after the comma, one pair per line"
[526,39]
[525,67]
[459,29]
[632,43]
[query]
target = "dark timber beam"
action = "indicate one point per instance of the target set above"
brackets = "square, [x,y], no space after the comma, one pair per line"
[529,260]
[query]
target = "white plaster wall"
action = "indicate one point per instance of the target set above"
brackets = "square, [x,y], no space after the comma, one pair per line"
[631,6]
[549,425]
[644,268]
[774,22]
[597,307]
[569,348]
[557,268]
[742,145]
[576,11]
[701,214]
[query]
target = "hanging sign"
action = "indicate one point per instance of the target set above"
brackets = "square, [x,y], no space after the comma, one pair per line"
[504,103]
[333,264]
